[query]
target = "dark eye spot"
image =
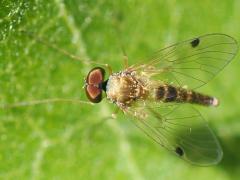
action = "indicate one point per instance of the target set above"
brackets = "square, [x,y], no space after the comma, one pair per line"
[179,151]
[195,42]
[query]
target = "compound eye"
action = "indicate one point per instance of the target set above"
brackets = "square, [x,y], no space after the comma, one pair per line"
[94,81]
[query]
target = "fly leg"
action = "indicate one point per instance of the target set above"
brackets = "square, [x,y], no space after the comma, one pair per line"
[109,68]
[125,58]
[118,31]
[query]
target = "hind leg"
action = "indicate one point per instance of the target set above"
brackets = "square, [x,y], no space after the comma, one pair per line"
[125,58]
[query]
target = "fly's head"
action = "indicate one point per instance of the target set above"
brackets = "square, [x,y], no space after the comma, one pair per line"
[95,84]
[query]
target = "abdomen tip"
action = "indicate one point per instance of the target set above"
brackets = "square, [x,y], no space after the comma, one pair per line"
[215,102]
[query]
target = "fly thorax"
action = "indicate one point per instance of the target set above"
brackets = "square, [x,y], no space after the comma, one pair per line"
[123,88]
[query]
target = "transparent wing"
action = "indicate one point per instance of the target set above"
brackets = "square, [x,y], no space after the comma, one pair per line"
[192,62]
[181,130]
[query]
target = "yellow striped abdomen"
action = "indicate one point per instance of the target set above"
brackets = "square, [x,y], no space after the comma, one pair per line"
[169,93]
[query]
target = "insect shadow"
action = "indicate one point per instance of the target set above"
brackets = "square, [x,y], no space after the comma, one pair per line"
[231,145]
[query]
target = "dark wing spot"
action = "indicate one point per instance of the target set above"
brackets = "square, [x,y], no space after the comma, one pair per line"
[179,151]
[195,42]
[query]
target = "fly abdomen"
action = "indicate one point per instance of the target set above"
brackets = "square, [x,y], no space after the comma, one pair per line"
[169,93]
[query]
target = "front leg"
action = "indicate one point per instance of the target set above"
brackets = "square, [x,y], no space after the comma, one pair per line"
[125,59]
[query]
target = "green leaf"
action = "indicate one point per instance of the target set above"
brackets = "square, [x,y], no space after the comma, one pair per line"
[61,140]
